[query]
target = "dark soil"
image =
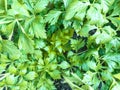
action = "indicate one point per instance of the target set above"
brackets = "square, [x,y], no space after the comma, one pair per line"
[61,85]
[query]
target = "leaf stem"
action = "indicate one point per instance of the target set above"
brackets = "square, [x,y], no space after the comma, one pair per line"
[20,26]
[6,5]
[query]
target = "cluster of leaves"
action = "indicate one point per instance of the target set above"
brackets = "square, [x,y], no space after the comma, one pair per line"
[46,40]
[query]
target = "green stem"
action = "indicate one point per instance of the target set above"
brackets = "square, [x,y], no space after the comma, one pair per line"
[20,26]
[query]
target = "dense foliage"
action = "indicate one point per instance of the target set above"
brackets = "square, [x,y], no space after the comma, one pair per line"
[75,41]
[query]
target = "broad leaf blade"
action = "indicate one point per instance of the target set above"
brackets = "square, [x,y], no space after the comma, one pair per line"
[53,16]
[25,43]
[9,48]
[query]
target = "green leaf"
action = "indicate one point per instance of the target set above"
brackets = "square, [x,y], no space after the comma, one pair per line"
[2,6]
[92,65]
[94,16]
[2,67]
[72,82]
[114,44]
[9,48]
[4,58]
[105,4]
[40,43]
[80,15]
[25,43]
[116,10]
[18,9]
[12,69]
[36,27]
[109,30]
[40,5]
[88,77]
[106,75]
[55,74]
[103,38]
[0,45]
[30,75]
[112,57]
[116,87]
[38,54]
[117,76]
[77,44]
[11,79]
[85,29]
[76,7]
[115,21]
[64,65]
[95,80]
[72,9]
[66,2]
[23,71]
[31,86]
[44,41]
[8,29]
[52,66]
[22,84]
[53,16]
[42,88]
[39,30]
[5,21]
